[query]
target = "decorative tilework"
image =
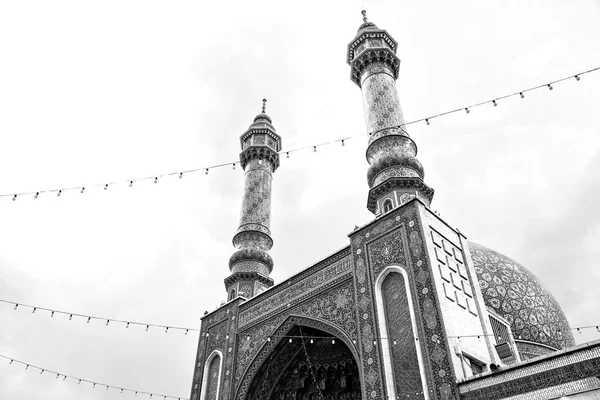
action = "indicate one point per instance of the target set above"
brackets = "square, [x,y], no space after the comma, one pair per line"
[407,374]
[380,98]
[517,295]
[296,292]
[324,315]
[451,264]
[221,328]
[213,379]
[547,371]
[430,327]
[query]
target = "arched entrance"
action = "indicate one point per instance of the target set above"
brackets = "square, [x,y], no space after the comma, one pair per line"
[307,364]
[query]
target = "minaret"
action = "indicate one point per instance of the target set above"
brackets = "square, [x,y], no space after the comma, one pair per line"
[395,175]
[251,263]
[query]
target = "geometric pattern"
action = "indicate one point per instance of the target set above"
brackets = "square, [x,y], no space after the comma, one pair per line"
[400,232]
[213,378]
[401,337]
[571,366]
[380,98]
[455,280]
[517,295]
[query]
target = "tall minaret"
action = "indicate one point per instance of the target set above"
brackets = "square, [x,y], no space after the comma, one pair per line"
[395,175]
[251,263]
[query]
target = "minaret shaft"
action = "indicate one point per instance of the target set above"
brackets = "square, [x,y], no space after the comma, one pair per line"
[395,174]
[251,263]
[380,99]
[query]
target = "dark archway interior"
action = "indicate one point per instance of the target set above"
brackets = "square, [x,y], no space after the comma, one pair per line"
[301,370]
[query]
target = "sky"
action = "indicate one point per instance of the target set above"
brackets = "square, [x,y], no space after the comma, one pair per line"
[94,92]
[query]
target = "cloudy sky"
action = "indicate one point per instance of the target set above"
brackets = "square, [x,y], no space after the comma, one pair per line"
[94,92]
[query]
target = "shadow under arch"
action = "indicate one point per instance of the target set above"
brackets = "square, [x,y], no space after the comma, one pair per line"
[261,368]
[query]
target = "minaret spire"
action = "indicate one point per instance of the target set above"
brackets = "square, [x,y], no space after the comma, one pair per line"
[251,263]
[395,174]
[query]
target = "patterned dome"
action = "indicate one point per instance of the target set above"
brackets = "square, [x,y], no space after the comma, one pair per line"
[517,295]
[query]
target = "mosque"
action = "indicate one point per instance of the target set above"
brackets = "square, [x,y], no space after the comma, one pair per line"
[382,318]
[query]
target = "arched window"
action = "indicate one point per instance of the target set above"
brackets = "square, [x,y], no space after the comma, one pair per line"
[211,381]
[387,205]
[402,358]
[232,294]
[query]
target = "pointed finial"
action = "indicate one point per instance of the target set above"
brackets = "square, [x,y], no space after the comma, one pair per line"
[264,105]
[364,14]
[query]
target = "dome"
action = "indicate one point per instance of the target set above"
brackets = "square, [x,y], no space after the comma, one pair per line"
[518,296]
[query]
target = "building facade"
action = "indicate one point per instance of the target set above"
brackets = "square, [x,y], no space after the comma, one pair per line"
[409,309]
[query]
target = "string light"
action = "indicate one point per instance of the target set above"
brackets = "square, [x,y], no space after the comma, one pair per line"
[82,190]
[79,380]
[343,142]
[315,148]
[34,309]
[59,193]
[180,175]
[495,104]
[427,120]
[156,180]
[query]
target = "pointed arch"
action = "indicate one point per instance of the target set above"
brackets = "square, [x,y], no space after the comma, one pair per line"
[207,390]
[389,377]
[289,323]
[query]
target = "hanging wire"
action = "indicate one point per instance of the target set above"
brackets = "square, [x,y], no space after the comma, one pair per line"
[35,309]
[90,317]
[310,366]
[428,119]
[79,380]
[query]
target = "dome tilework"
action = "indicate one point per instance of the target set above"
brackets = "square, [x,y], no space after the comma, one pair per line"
[516,294]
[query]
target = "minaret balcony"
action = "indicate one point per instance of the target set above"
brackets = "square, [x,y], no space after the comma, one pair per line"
[396,187]
[382,56]
[259,152]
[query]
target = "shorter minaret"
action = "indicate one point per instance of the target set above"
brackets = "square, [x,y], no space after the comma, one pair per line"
[395,175]
[251,263]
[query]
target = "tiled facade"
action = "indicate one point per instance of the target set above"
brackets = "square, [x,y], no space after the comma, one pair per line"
[402,312]
[565,371]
